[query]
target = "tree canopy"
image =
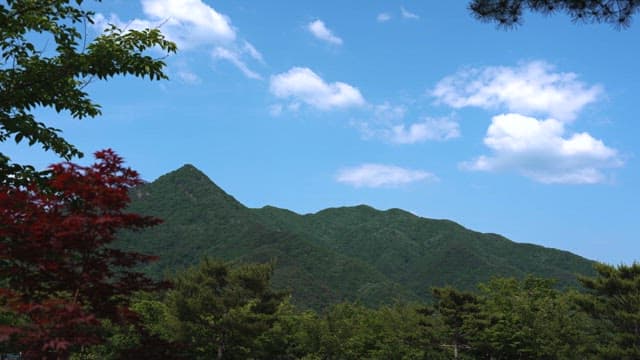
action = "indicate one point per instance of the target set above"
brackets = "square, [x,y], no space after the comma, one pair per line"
[509,13]
[34,75]
[220,310]
[614,299]
[58,276]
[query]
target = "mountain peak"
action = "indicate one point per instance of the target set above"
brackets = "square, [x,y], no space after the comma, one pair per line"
[186,172]
[190,184]
[188,169]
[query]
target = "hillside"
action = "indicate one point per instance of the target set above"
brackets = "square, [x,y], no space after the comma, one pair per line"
[415,251]
[351,253]
[202,220]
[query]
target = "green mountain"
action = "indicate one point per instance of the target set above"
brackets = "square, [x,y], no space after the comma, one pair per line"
[350,253]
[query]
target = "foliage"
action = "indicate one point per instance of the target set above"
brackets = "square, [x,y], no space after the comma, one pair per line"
[507,319]
[456,309]
[130,342]
[59,274]
[336,255]
[294,335]
[219,311]
[508,13]
[352,331]
[528,319]
[614,300]
[56,77]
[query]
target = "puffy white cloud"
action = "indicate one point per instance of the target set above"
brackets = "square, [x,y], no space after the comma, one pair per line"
[532,88]
[320,31]
[383,17]
[408,14]
[379,175]
[234,58]
[190,22]
[303,85]
[540,150]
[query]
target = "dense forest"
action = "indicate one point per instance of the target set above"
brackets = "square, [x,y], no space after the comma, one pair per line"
[341,254]
[220,311]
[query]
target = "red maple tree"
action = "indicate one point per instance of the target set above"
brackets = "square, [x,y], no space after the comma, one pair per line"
[58,275]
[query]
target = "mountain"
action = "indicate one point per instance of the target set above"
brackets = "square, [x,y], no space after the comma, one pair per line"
[202,220]
[350,253]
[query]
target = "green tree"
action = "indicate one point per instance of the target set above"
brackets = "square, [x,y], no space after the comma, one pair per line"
[456,309]
[352,331]
[148,338]
[219,311]
[613,299]
[508,13]
[294,335]
[529,319]
[33,76]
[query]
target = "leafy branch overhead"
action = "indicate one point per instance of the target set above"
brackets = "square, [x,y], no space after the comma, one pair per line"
[33,76]
[509,13]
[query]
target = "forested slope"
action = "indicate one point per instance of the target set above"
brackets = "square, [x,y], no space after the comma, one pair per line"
[351,253]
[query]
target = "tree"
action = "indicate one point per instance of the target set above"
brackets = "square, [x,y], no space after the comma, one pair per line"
[528,319]
[294,335]
[456,309]
[59,276]
[56,76]
[508,13]
[614,300]
[220,311]
[145,339]
[351,331]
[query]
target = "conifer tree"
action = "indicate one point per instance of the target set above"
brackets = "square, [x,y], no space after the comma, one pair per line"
[509,13]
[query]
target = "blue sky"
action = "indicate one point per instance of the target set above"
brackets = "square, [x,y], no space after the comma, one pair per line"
[529,133]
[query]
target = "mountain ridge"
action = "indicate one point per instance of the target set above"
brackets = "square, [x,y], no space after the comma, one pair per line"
[350,253]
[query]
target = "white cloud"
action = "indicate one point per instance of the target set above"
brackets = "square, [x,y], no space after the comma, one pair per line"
[408,14]
[387,123]
[540,150]
[386,112]
[188,77]
[252,51]
[320,31]
[101,23]
[383,17]
[379,175]
[303,85]
[192,24]
[429,129]
[294,106]
[234,58]
[532,88]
